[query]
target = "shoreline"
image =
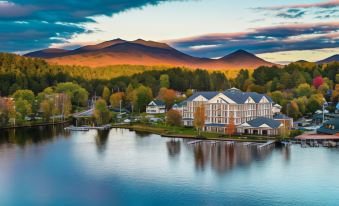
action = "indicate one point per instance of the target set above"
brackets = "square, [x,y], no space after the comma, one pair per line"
[35,125]
[163,133]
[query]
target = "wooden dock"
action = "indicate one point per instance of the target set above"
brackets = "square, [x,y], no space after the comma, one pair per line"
[266,145]
[87,128]
[194,142]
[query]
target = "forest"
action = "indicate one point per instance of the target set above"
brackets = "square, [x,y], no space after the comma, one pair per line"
[300,87]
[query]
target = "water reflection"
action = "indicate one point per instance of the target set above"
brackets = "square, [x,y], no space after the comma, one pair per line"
[223,157]
[101,138]
[37,135]
[173,147]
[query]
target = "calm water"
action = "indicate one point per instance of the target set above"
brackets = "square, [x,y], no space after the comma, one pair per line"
[49,166]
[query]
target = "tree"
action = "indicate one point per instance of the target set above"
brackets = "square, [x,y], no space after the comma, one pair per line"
[63,104]
[116,98]
[46,107]
[4,116]
[25,94]
[277,97]
[189,92]
[77,94]
[318,81]
[173,118]
[23,107]
[304,90]
[106,94]
[293,109]
[315,102]
[230,128]
[101,113]
[142,97]
[199,118]
[168,96]
[164,81]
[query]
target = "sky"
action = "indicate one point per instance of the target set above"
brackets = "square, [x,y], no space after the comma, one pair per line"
[279,31]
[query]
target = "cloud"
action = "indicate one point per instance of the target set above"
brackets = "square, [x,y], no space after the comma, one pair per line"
[294,11]
[262,40]
[35,24]
[327,4]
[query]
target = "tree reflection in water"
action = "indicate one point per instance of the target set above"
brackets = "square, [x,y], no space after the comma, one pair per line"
[223,157]
[33,136]
[101,140]
[173,147]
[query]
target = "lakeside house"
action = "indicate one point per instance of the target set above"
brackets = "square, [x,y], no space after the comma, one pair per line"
[251,112]
[330,127]
[156,107]
[284,119]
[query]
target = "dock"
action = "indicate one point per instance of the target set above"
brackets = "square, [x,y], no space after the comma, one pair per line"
[194,142]
[266,145]
[87,128]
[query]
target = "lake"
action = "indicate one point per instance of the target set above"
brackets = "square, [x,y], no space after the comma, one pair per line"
[51,166]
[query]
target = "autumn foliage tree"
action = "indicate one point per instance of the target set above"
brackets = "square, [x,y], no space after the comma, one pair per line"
[318,81]
[230,127]
[168,96]
[173,118]
[116,98]
[199,118]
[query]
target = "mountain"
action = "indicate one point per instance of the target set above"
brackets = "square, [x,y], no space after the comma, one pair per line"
[47,53]
[334,58]
[242,58]
[148,53]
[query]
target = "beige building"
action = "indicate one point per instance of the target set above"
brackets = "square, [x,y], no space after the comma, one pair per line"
[234,104]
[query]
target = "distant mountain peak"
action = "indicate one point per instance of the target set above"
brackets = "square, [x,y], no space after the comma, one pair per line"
[150,53]
[334,58]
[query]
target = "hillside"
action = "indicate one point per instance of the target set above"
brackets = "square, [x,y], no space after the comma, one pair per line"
[148,53]
[334,58]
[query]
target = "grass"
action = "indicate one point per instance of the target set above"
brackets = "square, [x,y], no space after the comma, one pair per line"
[189,132]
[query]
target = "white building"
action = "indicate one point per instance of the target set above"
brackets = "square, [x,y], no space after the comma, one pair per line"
[156,107]
[234,104]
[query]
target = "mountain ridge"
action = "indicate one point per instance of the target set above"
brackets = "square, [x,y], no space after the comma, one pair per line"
[142,52]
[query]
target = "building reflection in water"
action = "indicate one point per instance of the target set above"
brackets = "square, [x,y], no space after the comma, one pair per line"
[223,157]
[173,147]
[33,136]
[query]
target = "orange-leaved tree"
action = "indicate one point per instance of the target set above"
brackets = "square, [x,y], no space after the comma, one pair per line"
[173,118]
[230,128]
[199,118]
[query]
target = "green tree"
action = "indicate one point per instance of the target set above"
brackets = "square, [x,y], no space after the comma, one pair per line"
[23,107]
[101,113]
[142,97]
[25,94]
[304,90]
[106,94]
[77,94]
[164,81]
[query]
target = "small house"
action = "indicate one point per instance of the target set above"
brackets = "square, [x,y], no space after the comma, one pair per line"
[156,107]
[260,126]
[330,127]
[285,120]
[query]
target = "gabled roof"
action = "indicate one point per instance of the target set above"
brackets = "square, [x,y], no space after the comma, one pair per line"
[158,102]
[325,129]
[180,104]
[207,95]
[259,121]
[234,94]
[281,116]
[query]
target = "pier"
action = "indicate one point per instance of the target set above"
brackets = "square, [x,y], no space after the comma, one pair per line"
[87,128]
[266,145]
